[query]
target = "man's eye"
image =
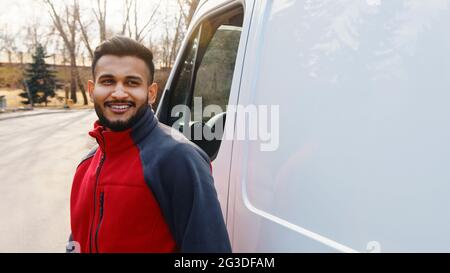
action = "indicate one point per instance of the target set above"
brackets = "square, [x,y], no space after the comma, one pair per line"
[132,83]
[107,82]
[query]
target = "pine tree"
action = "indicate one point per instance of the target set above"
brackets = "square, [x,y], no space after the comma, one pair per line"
[39,78]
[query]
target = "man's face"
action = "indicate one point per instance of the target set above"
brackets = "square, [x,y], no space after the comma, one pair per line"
[121,91]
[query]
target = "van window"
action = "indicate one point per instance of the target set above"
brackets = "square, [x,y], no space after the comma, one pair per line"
[215,72]
[206,72]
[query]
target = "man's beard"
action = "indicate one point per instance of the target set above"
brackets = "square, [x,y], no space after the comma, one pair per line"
[120,125]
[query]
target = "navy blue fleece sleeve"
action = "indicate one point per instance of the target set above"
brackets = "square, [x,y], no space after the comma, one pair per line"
[193,211]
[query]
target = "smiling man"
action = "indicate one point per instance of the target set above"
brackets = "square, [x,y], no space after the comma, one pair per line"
[145,188]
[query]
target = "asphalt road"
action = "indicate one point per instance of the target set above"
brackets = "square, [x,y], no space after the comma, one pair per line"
[38,157]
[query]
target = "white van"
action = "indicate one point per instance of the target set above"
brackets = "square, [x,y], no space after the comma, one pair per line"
[361,161]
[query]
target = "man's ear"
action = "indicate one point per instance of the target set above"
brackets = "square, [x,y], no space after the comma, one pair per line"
[90,86]
[152,93]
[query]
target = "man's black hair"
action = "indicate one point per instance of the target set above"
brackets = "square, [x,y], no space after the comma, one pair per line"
[123,46]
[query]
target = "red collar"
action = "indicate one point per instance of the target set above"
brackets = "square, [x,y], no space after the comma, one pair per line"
[110,141]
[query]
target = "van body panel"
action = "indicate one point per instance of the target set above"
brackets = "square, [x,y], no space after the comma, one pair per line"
[362,88]
[364,140]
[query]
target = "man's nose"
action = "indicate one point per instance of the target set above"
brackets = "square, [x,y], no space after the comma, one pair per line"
[119,92]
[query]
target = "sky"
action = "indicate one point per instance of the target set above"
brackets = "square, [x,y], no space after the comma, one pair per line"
[20,13]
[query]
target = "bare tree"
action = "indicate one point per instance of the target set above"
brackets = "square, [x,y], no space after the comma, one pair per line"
[153,46]
[171,41]
[130,25]
[36,33]
[176,41]
[83,29]
[171,44]
[100,15]
[8,42]
[165,48]
[126,21]
[187,9]
[67,29]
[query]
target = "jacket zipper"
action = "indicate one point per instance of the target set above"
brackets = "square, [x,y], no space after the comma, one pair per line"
[102,194]
[95,204]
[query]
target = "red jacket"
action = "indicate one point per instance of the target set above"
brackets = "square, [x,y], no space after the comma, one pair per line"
[147,189]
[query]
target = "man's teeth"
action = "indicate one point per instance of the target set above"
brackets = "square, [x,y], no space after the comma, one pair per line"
[120,107]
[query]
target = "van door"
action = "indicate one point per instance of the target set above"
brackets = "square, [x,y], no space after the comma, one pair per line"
[203,83]
[364,136]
